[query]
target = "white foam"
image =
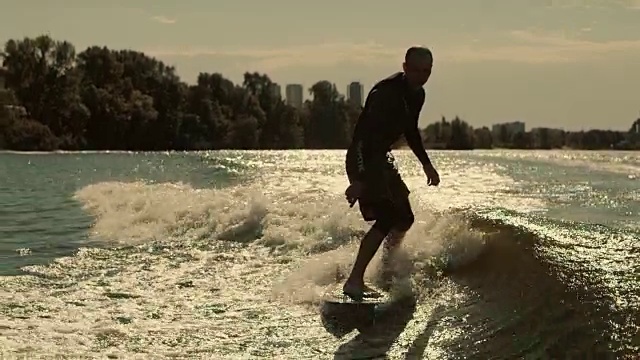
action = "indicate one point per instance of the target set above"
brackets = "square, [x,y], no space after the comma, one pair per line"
[136,212]
[435,242]
[185,281]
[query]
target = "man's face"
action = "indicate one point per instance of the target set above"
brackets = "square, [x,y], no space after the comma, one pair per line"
[418,70]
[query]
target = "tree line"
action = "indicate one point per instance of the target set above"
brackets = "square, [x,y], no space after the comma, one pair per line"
[458,134]
[106,99]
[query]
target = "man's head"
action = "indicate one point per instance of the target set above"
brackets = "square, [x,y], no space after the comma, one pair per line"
[418,62]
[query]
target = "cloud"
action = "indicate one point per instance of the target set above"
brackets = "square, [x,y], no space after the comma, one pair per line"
[632,4]
[519,46]
[593,4]
[540,47]
[311,55]
[164,20]
[628,4]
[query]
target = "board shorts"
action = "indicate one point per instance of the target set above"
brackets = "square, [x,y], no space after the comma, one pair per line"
[386,196]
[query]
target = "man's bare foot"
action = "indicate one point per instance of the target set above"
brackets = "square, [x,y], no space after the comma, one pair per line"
[354,291]
[358,292]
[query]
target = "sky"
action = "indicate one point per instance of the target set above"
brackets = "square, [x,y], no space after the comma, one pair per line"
[555,63]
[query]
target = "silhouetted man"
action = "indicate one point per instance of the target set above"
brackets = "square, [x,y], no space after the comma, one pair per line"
[391,110]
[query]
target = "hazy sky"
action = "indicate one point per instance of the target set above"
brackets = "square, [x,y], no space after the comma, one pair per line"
[561,63]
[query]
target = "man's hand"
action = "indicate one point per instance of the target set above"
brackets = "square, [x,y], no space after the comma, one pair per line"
[354,192]
[433,179]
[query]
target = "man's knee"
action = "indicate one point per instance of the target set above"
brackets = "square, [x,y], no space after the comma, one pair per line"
[384,224]
[404,223]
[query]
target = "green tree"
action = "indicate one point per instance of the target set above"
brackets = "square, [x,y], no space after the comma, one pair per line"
[482,138]
[42,74]
[329,117]
[103,98]
[520,140]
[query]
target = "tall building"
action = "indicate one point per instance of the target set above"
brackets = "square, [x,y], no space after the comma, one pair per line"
[294,95]
[355,93]
[276,90]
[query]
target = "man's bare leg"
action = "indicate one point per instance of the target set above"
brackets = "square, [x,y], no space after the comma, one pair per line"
[393,242]
[354,286]
[391,245]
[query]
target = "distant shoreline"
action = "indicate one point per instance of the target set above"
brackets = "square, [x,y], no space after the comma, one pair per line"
[403,148]
[102,98]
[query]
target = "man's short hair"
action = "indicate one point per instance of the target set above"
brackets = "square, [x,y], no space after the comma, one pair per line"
[417,51]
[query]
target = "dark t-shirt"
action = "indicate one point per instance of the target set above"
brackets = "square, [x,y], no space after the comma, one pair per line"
[391,110]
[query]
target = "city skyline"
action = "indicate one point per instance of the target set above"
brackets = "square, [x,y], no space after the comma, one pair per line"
[295,94]
[553,63]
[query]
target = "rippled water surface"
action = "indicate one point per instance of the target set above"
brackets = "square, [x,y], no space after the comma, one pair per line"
[518,254]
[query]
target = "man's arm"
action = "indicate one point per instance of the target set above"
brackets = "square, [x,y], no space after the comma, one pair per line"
[414,140]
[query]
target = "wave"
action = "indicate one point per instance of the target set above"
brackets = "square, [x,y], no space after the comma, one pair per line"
[505,261]
[213,258]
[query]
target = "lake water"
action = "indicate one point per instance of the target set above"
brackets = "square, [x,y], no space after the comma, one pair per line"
[517,254]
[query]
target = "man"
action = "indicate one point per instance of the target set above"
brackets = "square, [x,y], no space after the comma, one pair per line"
[392,109]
